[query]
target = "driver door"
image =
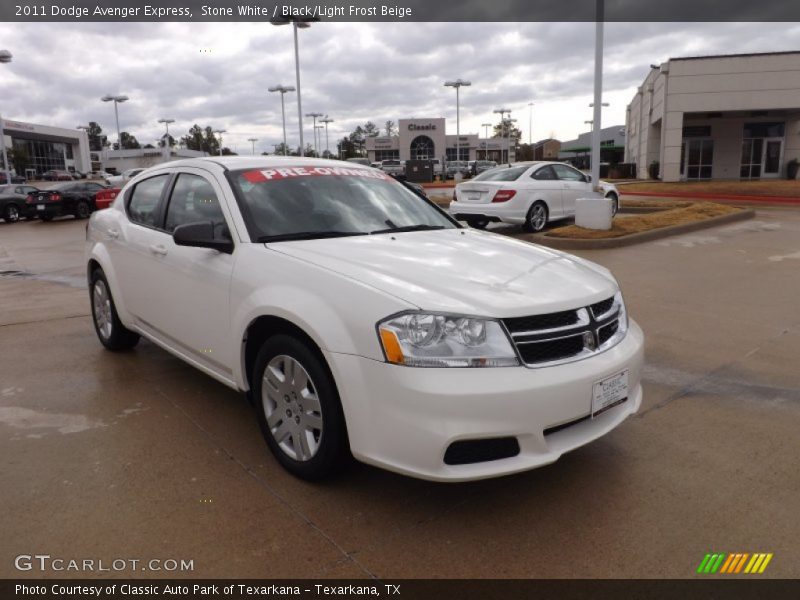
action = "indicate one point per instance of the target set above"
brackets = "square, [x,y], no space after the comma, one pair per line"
[191,285]
[573,186]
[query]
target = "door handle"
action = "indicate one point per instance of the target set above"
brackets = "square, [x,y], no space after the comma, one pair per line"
[113,233]
[158,249]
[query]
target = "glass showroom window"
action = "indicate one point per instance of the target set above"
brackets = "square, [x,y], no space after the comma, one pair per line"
[422,148]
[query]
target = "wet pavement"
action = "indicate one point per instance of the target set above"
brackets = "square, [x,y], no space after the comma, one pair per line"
[139,456]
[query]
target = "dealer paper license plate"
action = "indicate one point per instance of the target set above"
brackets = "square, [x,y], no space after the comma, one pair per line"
[609,392]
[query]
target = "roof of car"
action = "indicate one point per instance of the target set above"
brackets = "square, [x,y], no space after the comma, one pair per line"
[259,162]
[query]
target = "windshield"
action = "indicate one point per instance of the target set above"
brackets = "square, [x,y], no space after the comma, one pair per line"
[502,174]
[323,201]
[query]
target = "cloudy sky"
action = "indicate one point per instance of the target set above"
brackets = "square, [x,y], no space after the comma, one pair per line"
[218,74]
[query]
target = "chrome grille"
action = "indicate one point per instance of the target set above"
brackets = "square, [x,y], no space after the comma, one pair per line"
[566,336]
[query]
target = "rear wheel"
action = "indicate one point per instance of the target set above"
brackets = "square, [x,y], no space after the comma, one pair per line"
[478,223]
[11,213]
[82,210]
[536,219]
[299,409]
[110,330]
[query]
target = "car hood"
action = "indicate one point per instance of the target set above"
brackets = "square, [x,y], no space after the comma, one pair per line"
[461,270]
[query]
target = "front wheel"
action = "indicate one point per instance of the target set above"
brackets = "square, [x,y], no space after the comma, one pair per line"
[299,409]
[536,219]
[614,203]
[11,213]
[110,330]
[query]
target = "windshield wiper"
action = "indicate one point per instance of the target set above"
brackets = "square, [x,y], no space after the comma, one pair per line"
[306,235]
[408,228]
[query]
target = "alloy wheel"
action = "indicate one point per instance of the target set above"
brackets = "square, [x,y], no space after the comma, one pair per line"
[292,408]
[538,217]
[101,302]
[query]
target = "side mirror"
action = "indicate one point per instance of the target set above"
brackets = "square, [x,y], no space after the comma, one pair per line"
[587,178]
[201,235]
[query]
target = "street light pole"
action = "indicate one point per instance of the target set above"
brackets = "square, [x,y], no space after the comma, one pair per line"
[598,93]
[283,89]
[458,83]
[501,112]
[326,120]
[319,128]
[314,116]
[486,138]
[167,144]
[220,132]
[297,23]
[5,58]
[253,141]
[530,124]
[118,99]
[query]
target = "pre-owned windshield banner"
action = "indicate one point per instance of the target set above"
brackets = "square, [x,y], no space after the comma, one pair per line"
[402,10]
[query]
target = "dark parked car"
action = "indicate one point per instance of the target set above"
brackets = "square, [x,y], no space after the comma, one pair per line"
[75,198]
[12,201]
[56,175]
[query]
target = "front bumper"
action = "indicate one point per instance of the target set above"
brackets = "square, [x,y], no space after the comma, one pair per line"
[404,419]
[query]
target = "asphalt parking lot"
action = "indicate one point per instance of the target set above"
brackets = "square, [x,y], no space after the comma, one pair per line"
[137,455]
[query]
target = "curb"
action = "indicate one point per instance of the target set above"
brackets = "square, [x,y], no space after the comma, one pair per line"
[644,236]
[717,197]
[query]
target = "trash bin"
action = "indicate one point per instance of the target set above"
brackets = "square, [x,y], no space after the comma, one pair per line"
[594,213]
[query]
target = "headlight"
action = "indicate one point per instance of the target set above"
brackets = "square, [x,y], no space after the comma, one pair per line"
[436,340]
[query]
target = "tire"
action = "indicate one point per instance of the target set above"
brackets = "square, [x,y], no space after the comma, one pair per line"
[109,329]
[536,219]
[82,210]
[11,213]
[614,203]
[308,441]
[478,223]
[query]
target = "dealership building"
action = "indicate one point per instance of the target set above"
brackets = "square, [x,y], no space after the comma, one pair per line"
[46,147]
[423,139]
[717,117]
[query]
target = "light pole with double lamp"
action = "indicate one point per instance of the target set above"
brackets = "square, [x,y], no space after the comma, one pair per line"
[297,23]
[501,112]
[319,128]
[253,141]
[530,124]
[486,137]
[117,100]
[283,89]
[219,132]
[5,58]
[458,84]
[167,145]
[314,116]
[326,120]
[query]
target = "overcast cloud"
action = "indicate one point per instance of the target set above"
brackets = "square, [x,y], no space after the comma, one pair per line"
[218,74]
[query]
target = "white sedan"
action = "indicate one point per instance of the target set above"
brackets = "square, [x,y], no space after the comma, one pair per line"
[361,319]
[530,194]
[125,177]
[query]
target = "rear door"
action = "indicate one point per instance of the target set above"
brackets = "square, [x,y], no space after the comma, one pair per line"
[134,247]
[574,186]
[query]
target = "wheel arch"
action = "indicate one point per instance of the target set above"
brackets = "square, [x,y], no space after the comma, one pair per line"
[264,327]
